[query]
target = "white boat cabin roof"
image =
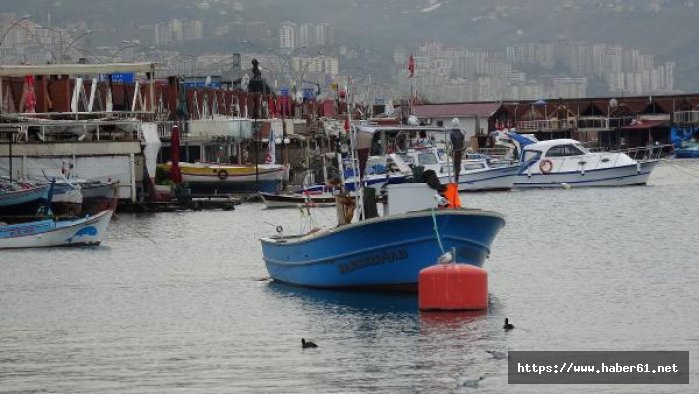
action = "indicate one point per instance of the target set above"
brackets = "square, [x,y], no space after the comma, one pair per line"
[544,146]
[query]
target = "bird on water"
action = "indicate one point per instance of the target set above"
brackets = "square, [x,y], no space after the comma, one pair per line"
[307,344]
[507,325]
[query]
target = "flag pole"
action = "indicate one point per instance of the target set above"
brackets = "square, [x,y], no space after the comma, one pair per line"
[410,100]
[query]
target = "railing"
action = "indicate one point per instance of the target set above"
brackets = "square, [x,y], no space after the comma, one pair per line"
[498,153]
[545,125]
[686,117]
[643,153]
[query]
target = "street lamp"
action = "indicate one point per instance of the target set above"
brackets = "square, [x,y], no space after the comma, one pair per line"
[13,25]
[134,44]
[64,50]
[120,50]
[36,40]
[186,55]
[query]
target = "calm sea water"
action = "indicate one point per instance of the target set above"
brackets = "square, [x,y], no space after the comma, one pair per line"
[177,302]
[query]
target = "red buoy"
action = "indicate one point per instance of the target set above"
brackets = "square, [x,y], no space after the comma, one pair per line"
[453,287]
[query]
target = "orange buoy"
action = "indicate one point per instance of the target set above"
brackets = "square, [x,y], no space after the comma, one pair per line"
[452,287]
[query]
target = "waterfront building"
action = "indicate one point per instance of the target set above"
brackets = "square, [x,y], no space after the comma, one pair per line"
[287,35]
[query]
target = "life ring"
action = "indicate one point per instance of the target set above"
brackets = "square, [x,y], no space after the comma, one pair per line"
[222,174]
[546,166]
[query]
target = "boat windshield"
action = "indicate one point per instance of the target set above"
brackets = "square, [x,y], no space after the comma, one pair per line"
[530,155]
[427,158]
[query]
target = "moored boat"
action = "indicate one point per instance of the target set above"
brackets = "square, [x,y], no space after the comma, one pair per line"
[557,162]
[293,200]
[231,177]
[476,173]
[21,198]
[384,252]
[52,232]
[688,150]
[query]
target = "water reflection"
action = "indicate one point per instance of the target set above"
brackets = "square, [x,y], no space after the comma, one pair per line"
[356,301]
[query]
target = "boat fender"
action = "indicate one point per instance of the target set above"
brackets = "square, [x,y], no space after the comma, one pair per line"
[222,174]
[546,166]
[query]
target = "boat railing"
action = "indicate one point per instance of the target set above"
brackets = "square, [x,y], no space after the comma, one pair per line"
[498,152]
[640,154]
[645,153]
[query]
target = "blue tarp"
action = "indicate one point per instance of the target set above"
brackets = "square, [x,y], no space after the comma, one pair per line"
[681,134]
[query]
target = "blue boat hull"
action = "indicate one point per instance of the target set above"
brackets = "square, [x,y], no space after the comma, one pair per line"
[382,252]
[23,202]
[687,153]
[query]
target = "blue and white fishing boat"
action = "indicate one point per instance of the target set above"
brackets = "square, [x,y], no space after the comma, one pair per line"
[565,162]
[51,232]
[385,252]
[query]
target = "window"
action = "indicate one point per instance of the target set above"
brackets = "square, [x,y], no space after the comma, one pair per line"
[426,158]
[564,150]
[473,166]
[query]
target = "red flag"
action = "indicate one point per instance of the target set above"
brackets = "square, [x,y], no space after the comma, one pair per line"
[347,125]
[411,66]
[30,98]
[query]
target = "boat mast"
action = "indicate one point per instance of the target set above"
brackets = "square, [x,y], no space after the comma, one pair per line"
[358,183]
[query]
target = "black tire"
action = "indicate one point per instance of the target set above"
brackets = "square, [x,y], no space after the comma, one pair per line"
[222,174]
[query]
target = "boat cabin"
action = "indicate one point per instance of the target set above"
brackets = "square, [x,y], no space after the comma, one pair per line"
[553,149]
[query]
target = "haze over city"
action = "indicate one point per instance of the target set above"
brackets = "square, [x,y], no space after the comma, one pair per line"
[463,50]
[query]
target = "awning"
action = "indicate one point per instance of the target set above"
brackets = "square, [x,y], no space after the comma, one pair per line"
[73,69]
[646,124]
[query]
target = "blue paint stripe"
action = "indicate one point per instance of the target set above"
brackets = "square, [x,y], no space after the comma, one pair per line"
[330,259]
[574,182]
[488,179]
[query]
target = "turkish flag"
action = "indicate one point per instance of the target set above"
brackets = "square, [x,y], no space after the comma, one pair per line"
[411,66]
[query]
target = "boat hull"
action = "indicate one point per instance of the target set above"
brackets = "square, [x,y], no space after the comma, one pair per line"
[98,196]
[613,176]
[687,153]
[232,178]
[494,178]
[382,252]
[23,202]
[272,200]
[49,233]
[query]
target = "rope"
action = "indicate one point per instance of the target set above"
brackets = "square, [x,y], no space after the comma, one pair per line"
[436,231]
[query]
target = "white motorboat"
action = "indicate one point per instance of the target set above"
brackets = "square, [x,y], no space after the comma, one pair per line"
[565,162]
[477,173]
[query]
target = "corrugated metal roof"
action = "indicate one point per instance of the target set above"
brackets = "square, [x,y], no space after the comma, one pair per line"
[455,110]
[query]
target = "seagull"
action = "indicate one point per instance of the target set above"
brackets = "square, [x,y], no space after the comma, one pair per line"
[470,381]
[507,325]
[306,345]
[497,355]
